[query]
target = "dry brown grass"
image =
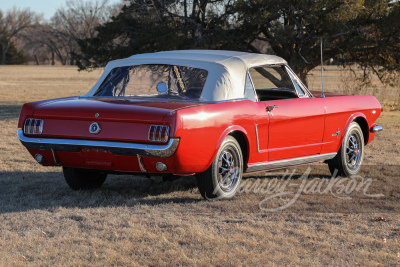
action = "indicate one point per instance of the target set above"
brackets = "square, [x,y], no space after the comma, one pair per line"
[136,221]
[344,81]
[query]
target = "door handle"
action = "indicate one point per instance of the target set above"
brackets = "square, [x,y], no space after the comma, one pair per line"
[270,108]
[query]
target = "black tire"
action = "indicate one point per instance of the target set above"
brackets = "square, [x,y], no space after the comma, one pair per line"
[222,179]
[80,179]
[350,156]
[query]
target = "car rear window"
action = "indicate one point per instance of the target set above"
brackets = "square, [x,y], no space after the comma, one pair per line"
[154,81]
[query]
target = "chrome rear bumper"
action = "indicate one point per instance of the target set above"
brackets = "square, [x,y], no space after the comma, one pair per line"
[376,129]
[117,148]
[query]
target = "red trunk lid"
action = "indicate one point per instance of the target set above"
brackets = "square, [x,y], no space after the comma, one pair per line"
[109,109]
[119,119]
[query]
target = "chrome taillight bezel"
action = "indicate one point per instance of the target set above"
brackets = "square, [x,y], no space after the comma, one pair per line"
[158,133]
[33,126]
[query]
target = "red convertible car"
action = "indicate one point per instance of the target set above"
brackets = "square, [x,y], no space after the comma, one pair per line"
[216,114]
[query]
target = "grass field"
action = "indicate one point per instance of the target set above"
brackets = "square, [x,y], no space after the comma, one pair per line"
[135,221]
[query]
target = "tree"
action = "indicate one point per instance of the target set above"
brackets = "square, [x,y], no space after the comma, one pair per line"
[77,21]
[12,24]
[156,25]
[365,32]
[13,56]
[352,31]
[40,43]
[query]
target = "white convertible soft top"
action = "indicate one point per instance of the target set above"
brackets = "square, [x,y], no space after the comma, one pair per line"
[226,69]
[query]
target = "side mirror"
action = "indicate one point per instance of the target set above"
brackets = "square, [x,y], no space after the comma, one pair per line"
[162,87]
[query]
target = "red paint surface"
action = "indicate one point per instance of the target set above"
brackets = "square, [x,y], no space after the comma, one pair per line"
[297,127]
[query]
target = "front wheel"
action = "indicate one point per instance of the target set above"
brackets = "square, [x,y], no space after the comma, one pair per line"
[350,156]
[80,179]
[222,179]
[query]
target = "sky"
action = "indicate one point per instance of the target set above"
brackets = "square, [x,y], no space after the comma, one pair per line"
[46,7]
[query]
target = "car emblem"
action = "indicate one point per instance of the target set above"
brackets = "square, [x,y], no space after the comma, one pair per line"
[97,115]
[94,128]
[337,133]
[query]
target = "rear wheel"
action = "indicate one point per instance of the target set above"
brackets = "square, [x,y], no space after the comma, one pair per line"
[222,179]
[79,179]
[350,156]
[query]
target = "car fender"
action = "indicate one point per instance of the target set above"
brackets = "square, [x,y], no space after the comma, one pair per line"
[225,133]
[349,121]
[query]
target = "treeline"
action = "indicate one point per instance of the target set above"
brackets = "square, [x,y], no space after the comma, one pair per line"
[26,37]
[90,34]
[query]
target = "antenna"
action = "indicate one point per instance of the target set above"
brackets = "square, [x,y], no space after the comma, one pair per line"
[322,70]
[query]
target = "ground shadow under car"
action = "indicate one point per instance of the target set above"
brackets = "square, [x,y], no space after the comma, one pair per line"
[22,191]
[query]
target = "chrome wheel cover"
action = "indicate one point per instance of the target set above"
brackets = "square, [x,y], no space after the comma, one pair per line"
[353,150]
[228,169]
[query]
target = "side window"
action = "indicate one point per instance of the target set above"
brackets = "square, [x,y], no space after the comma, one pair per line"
[249,89]
[272,82]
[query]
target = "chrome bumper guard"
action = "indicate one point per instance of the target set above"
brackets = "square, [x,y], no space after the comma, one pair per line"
[376,129]
[117,148]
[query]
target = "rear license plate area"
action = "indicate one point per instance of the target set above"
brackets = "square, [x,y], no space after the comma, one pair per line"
[97,157]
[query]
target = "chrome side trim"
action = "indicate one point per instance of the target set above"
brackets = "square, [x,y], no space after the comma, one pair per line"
[228,100]
[376,129]
[258,144]
[117,148]
[141,165]
[54,158]
[288,162]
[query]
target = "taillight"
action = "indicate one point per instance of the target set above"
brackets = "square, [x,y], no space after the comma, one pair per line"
[33,126]
[158,133]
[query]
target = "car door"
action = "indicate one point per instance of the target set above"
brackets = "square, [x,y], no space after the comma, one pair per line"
[296,119]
